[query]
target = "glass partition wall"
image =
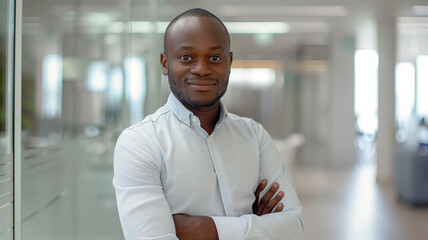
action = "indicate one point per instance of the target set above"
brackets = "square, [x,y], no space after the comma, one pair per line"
[87,70]
[6,113]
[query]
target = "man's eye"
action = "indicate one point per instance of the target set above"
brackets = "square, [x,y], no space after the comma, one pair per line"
[185,58]
[215,58]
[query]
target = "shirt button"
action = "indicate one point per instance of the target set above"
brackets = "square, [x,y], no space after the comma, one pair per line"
[194,119]
[209,140]
[219,174]
[228,212]
[187,121]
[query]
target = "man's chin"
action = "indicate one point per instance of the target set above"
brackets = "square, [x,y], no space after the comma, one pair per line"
[196,101]
[199,103]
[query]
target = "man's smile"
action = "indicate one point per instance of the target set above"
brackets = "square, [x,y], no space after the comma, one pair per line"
[202,85]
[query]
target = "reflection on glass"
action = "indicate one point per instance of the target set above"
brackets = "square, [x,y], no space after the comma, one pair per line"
[366,90]
[79,91]
[97,76]
[135,73]
[115,91]
[52,86]
[117,82]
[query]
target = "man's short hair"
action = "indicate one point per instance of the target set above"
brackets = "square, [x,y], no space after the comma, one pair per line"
[199,12]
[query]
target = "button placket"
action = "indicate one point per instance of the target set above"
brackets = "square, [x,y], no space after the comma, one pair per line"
[218,172]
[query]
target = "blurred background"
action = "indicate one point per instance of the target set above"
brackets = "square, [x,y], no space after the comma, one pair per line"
[342,87]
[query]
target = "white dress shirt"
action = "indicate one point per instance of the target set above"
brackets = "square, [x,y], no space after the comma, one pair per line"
[168,164]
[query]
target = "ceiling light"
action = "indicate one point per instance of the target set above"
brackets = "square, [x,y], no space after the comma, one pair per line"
[233,27]
[257,27]
[324,11]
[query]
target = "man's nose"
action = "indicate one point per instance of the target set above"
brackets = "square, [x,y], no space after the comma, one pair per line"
[201,68]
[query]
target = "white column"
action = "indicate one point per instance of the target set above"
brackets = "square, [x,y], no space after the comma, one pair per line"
[386,131]
[342,100]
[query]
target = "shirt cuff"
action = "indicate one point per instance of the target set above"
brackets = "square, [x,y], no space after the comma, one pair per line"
[229,228]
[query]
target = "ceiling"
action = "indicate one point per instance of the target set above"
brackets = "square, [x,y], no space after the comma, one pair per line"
[310,22]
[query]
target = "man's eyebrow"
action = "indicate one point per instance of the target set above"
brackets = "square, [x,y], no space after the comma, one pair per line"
[186,48]
[216,47]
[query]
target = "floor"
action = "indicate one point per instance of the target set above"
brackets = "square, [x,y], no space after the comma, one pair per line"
[348,204]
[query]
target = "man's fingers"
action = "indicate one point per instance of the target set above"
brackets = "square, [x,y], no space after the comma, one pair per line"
[272,203]
[279,208]
[259,189]
[266,198]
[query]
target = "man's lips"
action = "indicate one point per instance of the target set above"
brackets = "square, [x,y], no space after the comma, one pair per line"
[202,85]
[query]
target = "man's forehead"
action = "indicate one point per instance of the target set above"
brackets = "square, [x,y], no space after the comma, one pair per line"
[197,26]
[190,47]
[195,23]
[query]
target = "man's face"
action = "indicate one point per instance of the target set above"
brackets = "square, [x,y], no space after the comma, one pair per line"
[198,61]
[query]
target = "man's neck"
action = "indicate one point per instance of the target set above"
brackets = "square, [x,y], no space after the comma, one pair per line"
[207,115]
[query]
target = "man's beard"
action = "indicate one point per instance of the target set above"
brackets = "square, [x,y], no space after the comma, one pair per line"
[195,103]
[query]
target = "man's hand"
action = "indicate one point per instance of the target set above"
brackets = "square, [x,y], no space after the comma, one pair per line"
[267,203]
[194,227]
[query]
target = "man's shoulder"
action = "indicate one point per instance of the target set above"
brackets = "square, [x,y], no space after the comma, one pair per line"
[145,130]
[245,123]
[150,121]
[241,120]
[160,115]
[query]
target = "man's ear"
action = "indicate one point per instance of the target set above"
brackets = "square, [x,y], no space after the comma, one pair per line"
[230,61]
[164,63]
[230,58]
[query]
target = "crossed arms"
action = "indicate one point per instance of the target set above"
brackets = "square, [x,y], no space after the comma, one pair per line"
[146,213]
[203,228]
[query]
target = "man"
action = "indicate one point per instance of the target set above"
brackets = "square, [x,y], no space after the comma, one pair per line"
[192,170]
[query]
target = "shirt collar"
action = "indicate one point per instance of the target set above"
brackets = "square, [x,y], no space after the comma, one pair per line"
[184,114]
